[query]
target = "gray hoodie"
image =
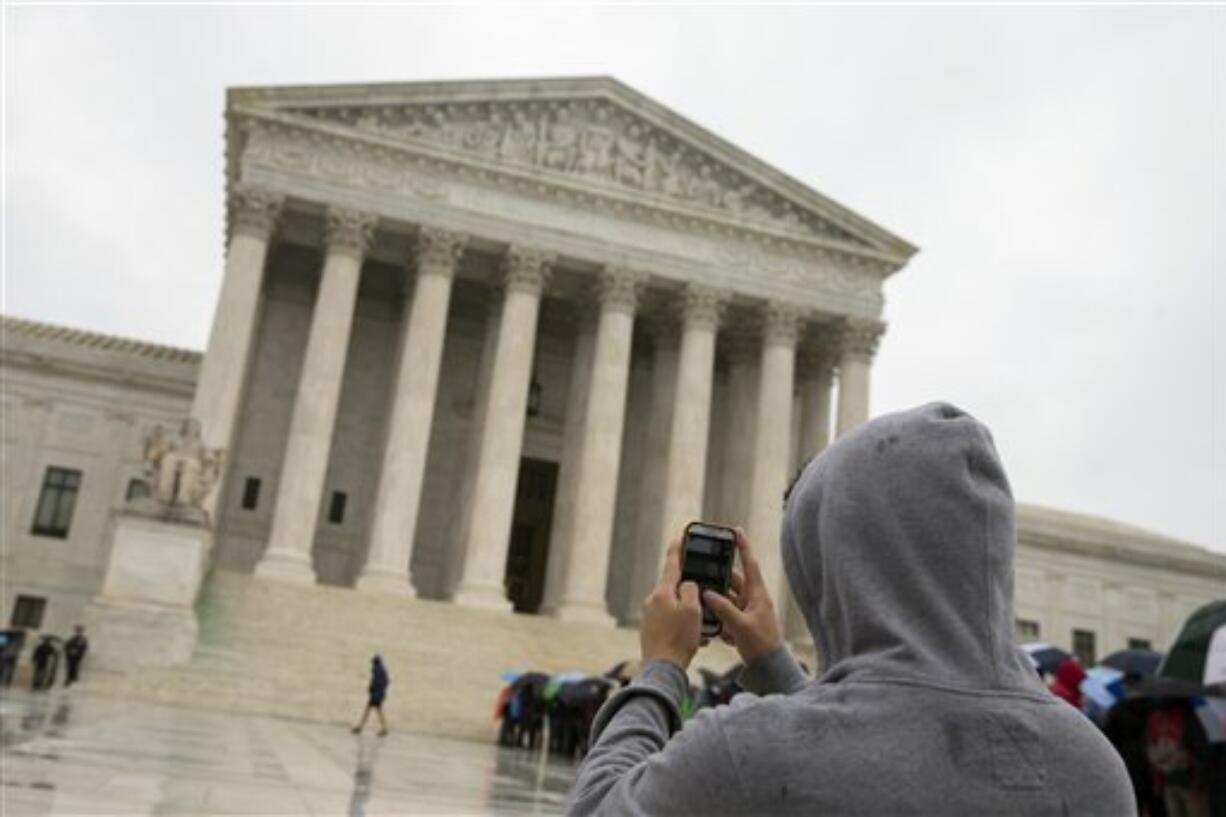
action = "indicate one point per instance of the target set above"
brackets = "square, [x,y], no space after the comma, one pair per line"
[898,545]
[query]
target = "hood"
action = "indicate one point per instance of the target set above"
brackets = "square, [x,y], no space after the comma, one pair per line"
[1070,673]
[898,545]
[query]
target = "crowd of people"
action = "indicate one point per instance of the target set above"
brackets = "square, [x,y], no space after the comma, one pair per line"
[44,658]
[1164,732]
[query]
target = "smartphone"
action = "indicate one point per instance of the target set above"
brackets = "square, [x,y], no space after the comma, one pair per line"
[707,553]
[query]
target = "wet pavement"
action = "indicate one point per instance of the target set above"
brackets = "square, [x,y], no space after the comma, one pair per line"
[69,753]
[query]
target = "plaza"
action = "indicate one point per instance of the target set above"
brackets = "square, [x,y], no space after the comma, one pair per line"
[70,753]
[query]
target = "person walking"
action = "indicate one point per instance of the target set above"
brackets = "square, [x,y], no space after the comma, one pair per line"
[379,681]
[897,543]
[74,650]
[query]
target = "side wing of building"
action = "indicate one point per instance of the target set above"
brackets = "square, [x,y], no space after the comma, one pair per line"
[77,406]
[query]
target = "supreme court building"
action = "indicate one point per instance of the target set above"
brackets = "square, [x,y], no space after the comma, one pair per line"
[494,343]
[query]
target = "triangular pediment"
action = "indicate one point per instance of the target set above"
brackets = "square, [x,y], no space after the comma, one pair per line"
[595,132]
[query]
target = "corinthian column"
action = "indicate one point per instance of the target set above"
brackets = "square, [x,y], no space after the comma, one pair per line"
[422,331]
[646,569]
[815,366]
[253,214]
[687,443]
[858,340]
[562,529]
[493,499]
[816,361]
[288,556]
[586,565]
[772,439]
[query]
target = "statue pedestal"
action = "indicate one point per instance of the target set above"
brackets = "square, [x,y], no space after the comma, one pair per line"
[144,615]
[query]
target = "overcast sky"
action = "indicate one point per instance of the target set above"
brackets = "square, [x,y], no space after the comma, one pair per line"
[1061,170]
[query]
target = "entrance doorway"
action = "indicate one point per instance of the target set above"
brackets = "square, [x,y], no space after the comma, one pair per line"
[528,553]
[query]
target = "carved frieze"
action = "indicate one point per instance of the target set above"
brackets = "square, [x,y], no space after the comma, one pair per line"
[591,139]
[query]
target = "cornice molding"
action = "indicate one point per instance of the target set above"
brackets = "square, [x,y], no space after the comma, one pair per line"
[1055,542]
[372,161]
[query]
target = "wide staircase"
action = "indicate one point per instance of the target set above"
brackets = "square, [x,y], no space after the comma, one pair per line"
[304,652]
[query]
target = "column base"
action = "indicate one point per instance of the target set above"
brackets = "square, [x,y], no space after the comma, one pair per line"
[482,597]
[290,567]
[386,582]
[579,612]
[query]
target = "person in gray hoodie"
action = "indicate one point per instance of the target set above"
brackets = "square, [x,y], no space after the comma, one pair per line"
[898,545]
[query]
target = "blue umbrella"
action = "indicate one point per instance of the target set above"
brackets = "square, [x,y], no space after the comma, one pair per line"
[1101,689]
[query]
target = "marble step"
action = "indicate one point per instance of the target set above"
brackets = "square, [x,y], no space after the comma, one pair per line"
[304,652]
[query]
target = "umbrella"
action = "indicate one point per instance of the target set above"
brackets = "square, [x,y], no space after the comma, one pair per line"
[1045,657]
[1101,689]
[556,682]
[1198,654]
[1137,663]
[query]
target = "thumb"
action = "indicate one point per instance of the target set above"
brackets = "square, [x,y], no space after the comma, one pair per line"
[723,607]
[689,595]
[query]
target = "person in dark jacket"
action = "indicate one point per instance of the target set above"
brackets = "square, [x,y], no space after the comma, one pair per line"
[379,681]
[74,650]
[46,663]
[898,544]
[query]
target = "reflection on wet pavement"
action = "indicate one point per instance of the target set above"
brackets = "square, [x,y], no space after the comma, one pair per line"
[67,753]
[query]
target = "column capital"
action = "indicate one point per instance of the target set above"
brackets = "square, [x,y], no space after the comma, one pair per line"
[438,251]
[818,354]
[702,306]
[619,289]
[527,269]
[349,231]
[859,337]
[780,323]
[255,210]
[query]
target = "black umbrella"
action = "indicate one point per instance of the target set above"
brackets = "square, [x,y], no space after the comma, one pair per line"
[1186,658]
[1134,663]
[1045,657]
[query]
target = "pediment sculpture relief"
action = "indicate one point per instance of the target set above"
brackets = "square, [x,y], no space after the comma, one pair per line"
[591,139]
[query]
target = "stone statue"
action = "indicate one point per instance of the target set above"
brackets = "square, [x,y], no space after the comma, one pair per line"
[596,145]
[180,472]
[562,140]
[630,161]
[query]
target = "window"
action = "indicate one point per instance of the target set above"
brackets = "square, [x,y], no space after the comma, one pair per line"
[28,612]
[1025,629]
[336,508]
[56,501]
[251,493]
[1139,644]
[137,489]
[1083,647]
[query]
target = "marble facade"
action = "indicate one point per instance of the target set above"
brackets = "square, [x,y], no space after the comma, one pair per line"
[466,233]
[431,287]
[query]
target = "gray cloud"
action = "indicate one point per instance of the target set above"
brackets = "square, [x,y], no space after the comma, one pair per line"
[1060,168]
